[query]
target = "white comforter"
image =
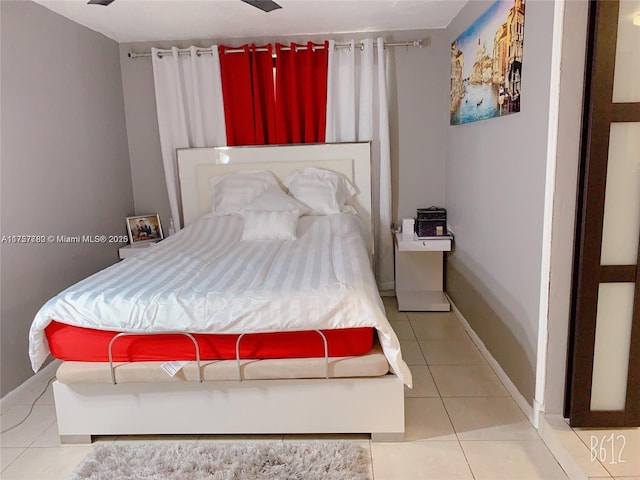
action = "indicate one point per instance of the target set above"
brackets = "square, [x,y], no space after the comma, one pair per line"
[204,280]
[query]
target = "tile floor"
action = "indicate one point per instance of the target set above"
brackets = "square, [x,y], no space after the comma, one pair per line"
[597,453]
[461,422]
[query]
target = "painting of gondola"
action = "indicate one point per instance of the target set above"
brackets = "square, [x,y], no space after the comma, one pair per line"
[486,64]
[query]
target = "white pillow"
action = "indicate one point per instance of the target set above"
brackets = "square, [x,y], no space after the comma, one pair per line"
[274,199]
[233,191]
[274,225]
[324,191]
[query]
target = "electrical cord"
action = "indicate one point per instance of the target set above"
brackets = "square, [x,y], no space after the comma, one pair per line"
[31,408]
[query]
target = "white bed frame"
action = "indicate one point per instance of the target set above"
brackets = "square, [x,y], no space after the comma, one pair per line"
[372,405]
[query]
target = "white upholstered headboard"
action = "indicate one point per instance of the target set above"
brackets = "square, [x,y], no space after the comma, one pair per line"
[197,165]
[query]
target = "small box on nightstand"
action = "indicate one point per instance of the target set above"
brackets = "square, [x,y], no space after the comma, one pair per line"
[431,222]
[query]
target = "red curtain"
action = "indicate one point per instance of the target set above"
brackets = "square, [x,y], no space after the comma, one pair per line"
[296,113]
[248,95]
[301,92]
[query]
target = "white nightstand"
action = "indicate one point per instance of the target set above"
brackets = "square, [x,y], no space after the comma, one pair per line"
[131,250]
[419,275]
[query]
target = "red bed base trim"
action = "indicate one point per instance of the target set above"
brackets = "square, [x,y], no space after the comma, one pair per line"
[71,343]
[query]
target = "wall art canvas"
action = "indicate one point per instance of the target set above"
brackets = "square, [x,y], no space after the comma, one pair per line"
[486,64]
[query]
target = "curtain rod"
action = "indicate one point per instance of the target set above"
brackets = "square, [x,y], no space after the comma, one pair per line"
[200,51]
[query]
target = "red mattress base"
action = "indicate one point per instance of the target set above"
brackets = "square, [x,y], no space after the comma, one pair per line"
[71,343]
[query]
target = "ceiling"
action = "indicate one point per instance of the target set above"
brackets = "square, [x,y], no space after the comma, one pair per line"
[154,20]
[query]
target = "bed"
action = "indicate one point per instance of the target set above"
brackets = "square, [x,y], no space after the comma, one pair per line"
[337,390]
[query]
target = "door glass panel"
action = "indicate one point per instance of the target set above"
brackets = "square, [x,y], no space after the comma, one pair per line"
[626,87]
[621,226]
[611,350]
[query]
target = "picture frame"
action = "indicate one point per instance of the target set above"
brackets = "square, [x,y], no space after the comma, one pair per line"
[144,229]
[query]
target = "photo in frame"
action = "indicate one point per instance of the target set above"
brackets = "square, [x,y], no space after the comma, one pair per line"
[144,229]
[486,64]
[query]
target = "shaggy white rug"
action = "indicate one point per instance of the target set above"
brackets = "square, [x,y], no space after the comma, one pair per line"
[337,460]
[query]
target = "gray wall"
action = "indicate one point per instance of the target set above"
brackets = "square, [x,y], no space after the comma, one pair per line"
[65,164]
[417,119]
[495,185]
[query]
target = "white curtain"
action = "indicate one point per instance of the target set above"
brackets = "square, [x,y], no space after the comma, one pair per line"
[190,109]
[357,111]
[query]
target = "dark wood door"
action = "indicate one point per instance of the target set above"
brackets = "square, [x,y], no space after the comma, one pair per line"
[603,375]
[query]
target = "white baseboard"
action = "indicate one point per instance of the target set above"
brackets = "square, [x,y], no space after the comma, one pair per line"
[493,363]
[30,389]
